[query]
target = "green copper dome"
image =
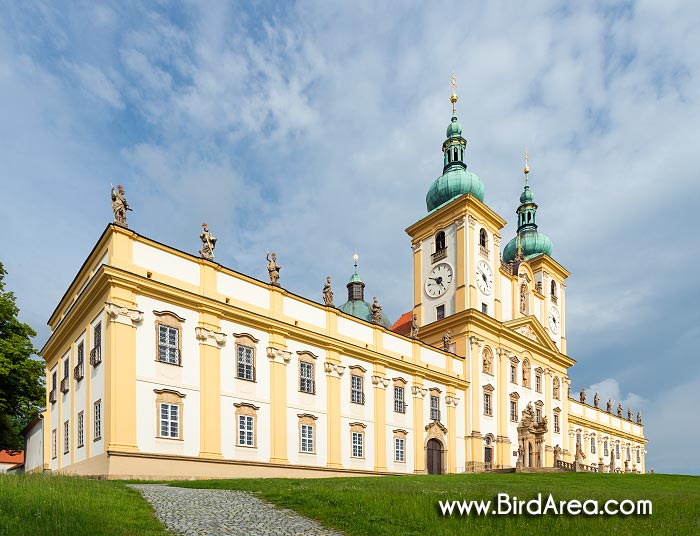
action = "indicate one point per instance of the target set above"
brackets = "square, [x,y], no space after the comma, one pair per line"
[532,243]
[456,179]
[451,184]
[526,196]
[454,128]
[360,309]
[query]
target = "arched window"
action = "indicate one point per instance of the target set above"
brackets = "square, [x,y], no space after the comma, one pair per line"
[454,154]
[554,288]
[483,238]
[440,240]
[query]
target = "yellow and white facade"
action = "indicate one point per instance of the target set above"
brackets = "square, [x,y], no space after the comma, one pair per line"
[161,364]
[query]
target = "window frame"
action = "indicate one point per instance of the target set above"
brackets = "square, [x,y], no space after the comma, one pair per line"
[54,443]
[170,423]
[81,429]
[307,441]
[434,405]
[250,412]
[97,420]
[399,401]
[168,320]
[171,398]
[307,383]
[357,394]
[245,371]
[66,436]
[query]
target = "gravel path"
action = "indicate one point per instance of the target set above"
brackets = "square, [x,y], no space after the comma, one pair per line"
[214,512]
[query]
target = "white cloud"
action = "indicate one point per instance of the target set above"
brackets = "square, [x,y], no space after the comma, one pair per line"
[95,82]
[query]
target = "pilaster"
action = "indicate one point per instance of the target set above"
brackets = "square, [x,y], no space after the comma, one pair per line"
[418,393]
[469,259]
[334,372]
[120,377]
[380,383]
[210,343]
[279,358]
[451,402]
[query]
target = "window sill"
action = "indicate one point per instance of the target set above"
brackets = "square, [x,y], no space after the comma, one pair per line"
[95,440]
[309,453]
[248,446]
[246,379]
[81,446]
[170,438]
[169,363]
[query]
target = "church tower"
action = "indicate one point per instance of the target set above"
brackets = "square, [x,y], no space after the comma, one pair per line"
[456,252]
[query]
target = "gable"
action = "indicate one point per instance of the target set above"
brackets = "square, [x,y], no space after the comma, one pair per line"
[530,328]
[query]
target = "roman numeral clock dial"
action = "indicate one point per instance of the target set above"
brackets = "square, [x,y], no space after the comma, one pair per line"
[438,280]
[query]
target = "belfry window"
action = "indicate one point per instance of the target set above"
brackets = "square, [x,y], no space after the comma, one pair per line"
[483,238]
[440,241]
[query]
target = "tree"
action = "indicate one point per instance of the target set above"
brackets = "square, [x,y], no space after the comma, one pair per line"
[22,390]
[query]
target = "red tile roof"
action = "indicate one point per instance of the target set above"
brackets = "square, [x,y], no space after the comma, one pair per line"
[6,457]
[403,324]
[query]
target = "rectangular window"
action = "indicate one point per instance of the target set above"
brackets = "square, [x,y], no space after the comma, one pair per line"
[593,445]
[605,448]
[639,459]
[357,445]
[439,312]
[487,404]
[556,423]
[306,378]
[168,344]
[96,352]
[66,437]
[617,451]
[434,408]
[246,363]
[513,374]
[399,449]
[484,308]
[54,380]
[81,429]
[629,455]
[513,411]
[169,420]
[538,383]
[538,415]
[357,396]
[66,368]
[78,372]
[97,420]
[399,404]
[54,447]
[307,438]
[246,430]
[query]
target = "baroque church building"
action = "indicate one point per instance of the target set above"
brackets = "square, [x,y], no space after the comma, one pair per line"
[164,364]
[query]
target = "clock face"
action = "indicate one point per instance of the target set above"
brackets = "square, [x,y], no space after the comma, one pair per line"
[554,320]
[484,277]
[438,280]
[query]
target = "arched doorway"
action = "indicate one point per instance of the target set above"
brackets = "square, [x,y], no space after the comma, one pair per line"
[488,452]
[434,457]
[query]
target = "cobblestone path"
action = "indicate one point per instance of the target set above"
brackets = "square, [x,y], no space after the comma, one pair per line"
[214,512]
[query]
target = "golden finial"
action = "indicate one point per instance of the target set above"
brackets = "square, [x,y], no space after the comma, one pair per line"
[454,97]
[527,167]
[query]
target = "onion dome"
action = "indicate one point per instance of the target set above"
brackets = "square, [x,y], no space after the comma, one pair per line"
[455,180]
[356,304]
[528,242]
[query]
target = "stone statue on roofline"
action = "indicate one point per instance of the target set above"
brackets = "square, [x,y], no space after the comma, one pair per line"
[639,418]
[119,206]
[208,243]
[629,414]
[609,406]
[273,269]
[328,292]
[619,410]
[376,311]
[582,395]
[446,340]
[414,327]
[596,399]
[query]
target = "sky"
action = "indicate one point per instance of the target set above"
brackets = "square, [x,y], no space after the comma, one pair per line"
[314,129]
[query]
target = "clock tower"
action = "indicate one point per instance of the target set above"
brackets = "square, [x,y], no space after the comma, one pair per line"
[457,263]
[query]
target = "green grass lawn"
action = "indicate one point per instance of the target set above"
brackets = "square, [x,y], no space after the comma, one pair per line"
[409,505]
[57,505]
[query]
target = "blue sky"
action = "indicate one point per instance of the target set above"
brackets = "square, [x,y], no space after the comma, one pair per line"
[314,130]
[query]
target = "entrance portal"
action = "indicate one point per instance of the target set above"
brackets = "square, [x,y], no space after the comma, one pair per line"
[434,457]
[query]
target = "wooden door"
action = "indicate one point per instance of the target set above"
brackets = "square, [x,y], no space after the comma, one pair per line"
[434,457]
